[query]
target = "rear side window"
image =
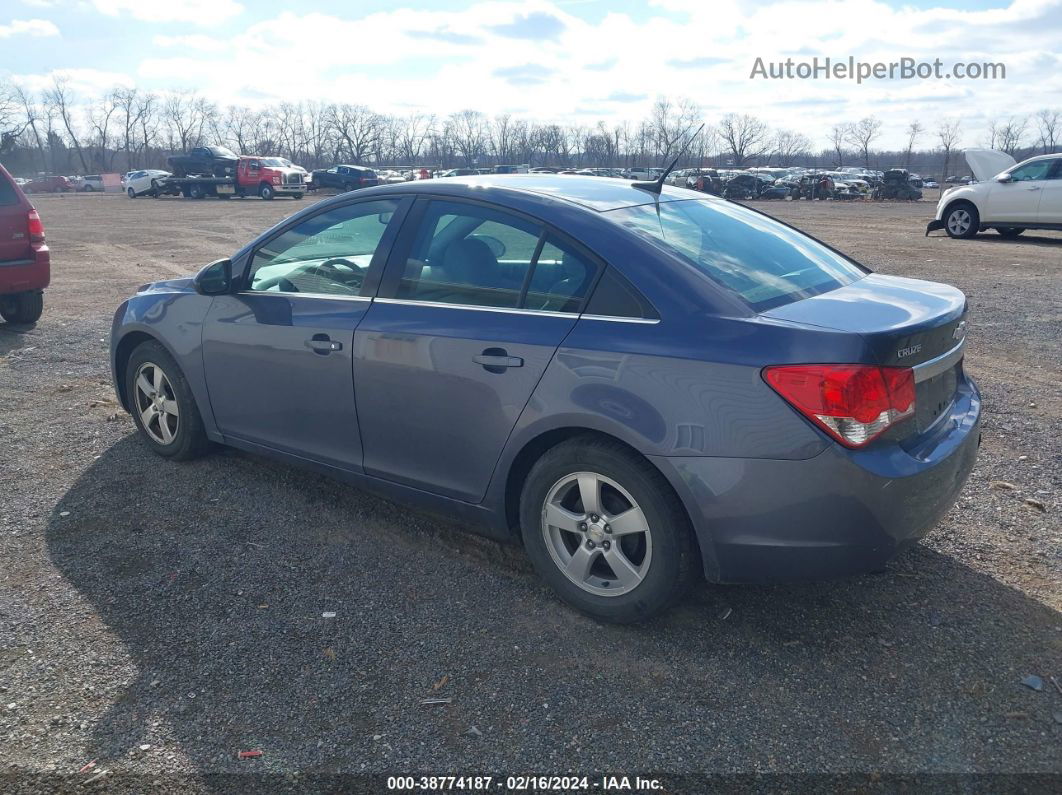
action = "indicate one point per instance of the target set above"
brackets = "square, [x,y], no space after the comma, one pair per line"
[8,194]
[614,296]
[480,256]
[766,263]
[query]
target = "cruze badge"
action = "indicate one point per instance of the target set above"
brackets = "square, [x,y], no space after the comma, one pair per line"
[903,353]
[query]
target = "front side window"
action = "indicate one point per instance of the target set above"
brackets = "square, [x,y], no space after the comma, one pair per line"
[479,256]
[328,254]
[1032,171]
[766,263]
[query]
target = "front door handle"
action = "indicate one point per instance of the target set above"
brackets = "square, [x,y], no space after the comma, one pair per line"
[497,360]
[323,344]
[1034,187]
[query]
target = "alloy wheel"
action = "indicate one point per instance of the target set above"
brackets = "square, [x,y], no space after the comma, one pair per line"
[597,534]
[156,403]
[959,221]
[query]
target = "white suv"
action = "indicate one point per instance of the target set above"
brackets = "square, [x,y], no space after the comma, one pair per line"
[1007,197]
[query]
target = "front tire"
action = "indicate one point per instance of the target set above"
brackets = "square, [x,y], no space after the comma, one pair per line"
[131,193]
[605,530]
[1009,232]
[196,192]
[22,307]
[266,192]
[962,221]
[162,404]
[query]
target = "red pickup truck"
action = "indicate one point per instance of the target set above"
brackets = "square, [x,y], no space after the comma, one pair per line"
[263,176]
[25,267]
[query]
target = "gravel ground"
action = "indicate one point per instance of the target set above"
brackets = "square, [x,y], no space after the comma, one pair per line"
[159,617]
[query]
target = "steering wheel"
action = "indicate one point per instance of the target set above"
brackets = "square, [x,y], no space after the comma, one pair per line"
[328,270]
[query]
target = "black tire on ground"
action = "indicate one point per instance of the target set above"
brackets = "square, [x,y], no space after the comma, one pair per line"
[296,195]
[1009,232]
[196,192]
[962,221]
[673,565]
[348,187]
[266,192]
[131,193]
[190,439]
[22,307]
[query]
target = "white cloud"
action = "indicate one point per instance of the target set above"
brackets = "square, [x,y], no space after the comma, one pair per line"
[194,41]
[199,12]
[80,83]
[28,27]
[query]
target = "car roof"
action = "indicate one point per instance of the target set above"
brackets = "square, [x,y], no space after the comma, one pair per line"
[595,193]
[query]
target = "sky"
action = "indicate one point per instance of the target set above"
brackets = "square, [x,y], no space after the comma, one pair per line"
[569,61]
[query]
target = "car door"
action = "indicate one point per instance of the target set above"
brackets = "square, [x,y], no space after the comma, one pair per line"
[1051,195]
[277,353]
[1018,200]
[474,303]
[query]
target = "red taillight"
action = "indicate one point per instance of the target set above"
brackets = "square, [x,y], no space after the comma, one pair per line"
[34,227]
[854,403]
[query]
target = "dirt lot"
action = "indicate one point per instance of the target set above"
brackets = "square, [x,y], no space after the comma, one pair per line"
[159,617]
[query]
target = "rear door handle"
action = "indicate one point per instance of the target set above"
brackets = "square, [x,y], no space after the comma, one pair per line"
[497,360]
[1034,187]
[322,344]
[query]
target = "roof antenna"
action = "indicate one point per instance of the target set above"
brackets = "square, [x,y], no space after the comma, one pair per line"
[657,185]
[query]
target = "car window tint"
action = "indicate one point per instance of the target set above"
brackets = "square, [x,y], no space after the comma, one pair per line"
[469,254]
[1031,171]
[766,263]
[329,253]
[560,280]
[1056,169]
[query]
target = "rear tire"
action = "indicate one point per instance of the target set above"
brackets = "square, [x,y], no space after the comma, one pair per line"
[196,192]
[131,193]
[163,408]
[630,574]
[266,192]
[22,307]
[296,195]
[1009,232]
[962,221]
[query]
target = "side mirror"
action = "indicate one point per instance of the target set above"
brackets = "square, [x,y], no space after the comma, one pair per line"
[215,278]
[1004,178]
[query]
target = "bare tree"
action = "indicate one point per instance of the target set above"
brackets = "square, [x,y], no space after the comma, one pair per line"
[468,131]
[32,113]
[862,135]
[61,99]
[914,132]
[188,115]
[838,136]
[357,130]
[948,132]
[744,137]
[100,116]
[1048,125]
[789,146]
[1011,134]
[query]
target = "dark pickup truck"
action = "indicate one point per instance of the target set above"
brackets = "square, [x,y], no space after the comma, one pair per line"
[345,178]
[212,161]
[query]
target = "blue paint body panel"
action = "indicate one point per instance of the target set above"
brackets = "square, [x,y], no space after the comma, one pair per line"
[403,407]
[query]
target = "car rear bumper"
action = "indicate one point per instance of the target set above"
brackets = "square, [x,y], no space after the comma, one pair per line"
[25,275]
[839,513]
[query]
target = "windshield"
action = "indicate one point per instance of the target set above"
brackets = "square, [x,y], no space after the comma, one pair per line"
[273,162]
[766,263]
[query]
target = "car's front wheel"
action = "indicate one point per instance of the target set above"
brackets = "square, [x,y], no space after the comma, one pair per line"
[22,307]
[962,221]
[605,530]
[162,404]
[131,193]
[266,192]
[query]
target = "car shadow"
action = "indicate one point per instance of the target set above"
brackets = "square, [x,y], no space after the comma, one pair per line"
[15,335]
[1026,239]
[220,578]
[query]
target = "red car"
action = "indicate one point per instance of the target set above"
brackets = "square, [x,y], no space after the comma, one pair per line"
[25,265]
[56,184]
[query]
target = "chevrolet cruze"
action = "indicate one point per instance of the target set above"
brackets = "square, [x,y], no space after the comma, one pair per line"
[641,387]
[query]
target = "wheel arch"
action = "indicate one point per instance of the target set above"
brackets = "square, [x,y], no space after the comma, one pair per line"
[957,201]
[537,446]
[122,351]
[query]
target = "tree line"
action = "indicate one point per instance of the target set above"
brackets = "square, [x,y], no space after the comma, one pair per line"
[55,131]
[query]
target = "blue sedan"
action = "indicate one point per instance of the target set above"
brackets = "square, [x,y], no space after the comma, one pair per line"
[643,388]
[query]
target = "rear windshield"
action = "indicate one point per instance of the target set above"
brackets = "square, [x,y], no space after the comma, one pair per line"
[766,263]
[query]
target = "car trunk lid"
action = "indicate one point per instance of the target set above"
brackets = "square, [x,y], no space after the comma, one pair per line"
[905,323]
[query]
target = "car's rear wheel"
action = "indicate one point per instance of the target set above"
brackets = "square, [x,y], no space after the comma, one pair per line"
[1009,232]
[604,529]
[162,404]
[962,221]
[22,307]
[131,193]
[196,192]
